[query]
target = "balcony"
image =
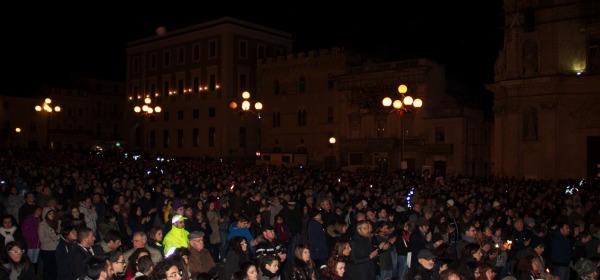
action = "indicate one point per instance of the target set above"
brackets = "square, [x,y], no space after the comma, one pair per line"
[438,149]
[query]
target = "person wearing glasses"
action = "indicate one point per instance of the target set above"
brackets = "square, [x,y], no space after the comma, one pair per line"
[167,269]
[423,268]
[200,260]
[140,240]
[118,264]
[237,254]
[15,263]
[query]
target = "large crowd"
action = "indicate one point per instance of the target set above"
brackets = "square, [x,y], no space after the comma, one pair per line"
[118,215]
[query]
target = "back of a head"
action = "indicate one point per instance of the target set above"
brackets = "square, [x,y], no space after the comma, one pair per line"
[144,264]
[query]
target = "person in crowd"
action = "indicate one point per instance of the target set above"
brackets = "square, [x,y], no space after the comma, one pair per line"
[362,263]
[402,248]
[88,210]
[9,231]
[269,268]
[139,220]
[282,230]
[527,268]
[246,271]
[303,268]
[423,267]
[562,251]
[68,239]
[386,258]
[167,269]
[336,231]
[140,240]
[132,261]
[49,235]
[200,260]
[109,222]
[30,227]
[111,241]
[155,236]
[586,269]
[342,249]
[317,239]
[241,228]
[27,208]
[237,254]
[485,271]
[177,236]
[98,268]
[419,238]
[74,217]
[213,216]
[268,245]
[81,252]
[15,263]
[335,269]
[118,264]
[143,267]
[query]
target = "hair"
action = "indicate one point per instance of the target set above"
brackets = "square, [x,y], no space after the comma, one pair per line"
[83,232]
[95,266]
[65,231]
[113,256]
[298,254]
[144,264]
[23,264]
[159,270]
[242,272]
[483,267]
[112,235]
[445,275]
[339,246]
[360,223]
[235,244]
[242,218]
[131,267]
[469,250]
[152,232]
[525,263]
[51,223]
[330,271]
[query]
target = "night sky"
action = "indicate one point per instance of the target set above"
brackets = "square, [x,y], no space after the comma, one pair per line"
[47,44]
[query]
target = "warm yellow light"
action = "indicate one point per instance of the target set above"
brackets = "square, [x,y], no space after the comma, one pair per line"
[246,105]
[57,108]
[397,104]
[150,110]
[418,103]
[402,89]
[137,109]
[232,105]
[47,108]
[245,95]
[18,130]
[408,100]
[147,100]
[387,102]
[157,109]
[332,140]
[258,106]
[145,108]
[48,100]
[38,108]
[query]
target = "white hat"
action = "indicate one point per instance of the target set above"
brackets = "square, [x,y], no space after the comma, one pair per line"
[450,202]
[496,203]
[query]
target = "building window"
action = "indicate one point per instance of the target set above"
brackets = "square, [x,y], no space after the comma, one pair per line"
[212,49]
[276,87]
[196,87]
[330,114]
[330,82]
[276,119]
[196,53]
[212,82]
[196,138]
[167,89]
[167,59]
[196,114]
[211,136]
[529,21]
[153,90]
[243,49]
[136,65]
[302,85]
[212,112]
[180,87]
[440,135]
[180,115]
[243,82]
[152,139]
[242,137]
[166,116]
[180,138]
[166,138]
[180,56]
[135,93]
[301,117]
[261,51]
[153,61]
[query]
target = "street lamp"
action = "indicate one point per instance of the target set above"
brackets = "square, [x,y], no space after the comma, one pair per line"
[331,161]
[46,107]
[246,105]
[405,104]
[146,109]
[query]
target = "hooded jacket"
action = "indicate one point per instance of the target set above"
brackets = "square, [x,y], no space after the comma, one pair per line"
[48,236]
[176,237]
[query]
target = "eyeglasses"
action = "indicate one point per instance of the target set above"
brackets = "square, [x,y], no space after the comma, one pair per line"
[175,274]
[140,240]
[16,252]
[121,262]
[243,243]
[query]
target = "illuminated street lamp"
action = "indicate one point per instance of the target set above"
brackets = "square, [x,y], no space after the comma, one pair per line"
[246,105]
[146,109]
[405,104]
[46,107]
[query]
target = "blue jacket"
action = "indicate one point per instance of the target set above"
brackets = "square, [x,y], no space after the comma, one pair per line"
[243,232]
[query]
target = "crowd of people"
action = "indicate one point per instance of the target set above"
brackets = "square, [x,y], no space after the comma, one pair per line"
[117,215]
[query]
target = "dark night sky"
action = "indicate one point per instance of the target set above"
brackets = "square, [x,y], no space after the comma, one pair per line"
[50,42]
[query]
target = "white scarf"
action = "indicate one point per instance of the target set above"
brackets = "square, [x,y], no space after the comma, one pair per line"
[8,234]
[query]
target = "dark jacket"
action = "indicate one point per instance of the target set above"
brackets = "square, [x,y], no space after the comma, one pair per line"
[360,266]
[62,259]
[27,274]
[78,257]
[418,272]
[300,270]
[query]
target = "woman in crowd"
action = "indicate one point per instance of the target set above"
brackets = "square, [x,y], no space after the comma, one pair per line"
[402,248]
[342,249]
[138,220]
[74,217]
[246,271]
[213,217]
[281,230]
[269,268]
[167,269]
[143,267]
[68,239]
[335,268]
[155,236]
[30,227]
[485,271]
[15,264]
[117,262]
[132,262]
[527,268]
[303,267]
[238,254]
[49,235]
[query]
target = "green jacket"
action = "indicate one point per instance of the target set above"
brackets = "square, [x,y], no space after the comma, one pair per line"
[176,238]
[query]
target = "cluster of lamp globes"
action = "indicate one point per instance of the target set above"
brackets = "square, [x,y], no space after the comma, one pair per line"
[46,107]
[146,107]
[403,104]
[246,103]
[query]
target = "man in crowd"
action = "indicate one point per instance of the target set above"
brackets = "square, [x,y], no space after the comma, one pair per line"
[200,260]
[140,240]
[81,252]
[268,246]
[177,237]
[361,264]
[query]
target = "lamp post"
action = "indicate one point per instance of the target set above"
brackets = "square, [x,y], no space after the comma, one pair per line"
[18,131]
[147,110]
[246,105]
[332,141]
[46,107]
[404,104]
